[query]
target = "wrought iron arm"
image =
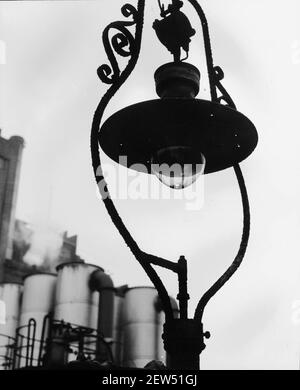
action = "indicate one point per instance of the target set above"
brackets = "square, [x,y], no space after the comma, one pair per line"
[170,265]
[112,75]
[218,76]
[241,252]
[215,73]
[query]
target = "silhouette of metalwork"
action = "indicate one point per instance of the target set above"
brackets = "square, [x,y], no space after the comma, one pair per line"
[142,257]
[122,43]
[174,30]
[125,44]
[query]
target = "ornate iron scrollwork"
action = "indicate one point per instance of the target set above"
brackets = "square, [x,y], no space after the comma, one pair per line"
[218,76]
[122,43]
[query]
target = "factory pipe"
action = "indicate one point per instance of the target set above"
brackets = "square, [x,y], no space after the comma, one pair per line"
[101,282]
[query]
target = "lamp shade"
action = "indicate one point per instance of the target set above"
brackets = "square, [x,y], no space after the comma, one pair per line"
[223,135]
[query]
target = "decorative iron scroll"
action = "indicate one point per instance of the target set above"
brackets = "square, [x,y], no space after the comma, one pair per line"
[122,43]
[218,76]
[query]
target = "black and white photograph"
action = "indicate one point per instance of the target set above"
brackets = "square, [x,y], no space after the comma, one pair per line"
[149,188]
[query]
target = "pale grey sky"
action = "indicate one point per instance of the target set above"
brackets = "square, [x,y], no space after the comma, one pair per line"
[49,91]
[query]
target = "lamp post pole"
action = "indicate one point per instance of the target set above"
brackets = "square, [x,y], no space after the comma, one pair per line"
[183,337]
[225,137]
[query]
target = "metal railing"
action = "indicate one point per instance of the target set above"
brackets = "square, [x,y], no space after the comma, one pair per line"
[7,351]
[58,343]
[25,346]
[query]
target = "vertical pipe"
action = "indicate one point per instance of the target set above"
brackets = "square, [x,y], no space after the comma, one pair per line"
[101,282]
[183,295]
[33,341]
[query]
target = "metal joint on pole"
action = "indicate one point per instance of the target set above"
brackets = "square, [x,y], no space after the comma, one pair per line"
[183,341]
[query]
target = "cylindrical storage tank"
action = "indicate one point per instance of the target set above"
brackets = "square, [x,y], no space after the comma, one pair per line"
[10,299]
[141,328]
[37,302]
[75,302]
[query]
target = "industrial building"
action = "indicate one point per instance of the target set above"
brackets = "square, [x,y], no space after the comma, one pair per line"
[64,312]
[10,163]
[77,315]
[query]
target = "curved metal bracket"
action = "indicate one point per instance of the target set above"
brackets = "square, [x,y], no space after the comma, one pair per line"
[215,75]
[218,76]
[112,75]
[241,252]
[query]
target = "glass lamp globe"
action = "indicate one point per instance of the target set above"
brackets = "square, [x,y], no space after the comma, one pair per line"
[178,166]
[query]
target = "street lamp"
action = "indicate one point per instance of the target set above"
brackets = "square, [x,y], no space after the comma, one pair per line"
[197,136]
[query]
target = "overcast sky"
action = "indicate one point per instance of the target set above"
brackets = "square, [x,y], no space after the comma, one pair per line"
[49,91]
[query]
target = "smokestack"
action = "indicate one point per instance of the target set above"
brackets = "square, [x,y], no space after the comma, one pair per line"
[11,156]
[101,282]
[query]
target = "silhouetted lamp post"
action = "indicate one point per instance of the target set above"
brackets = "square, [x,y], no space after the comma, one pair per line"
[195,135]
